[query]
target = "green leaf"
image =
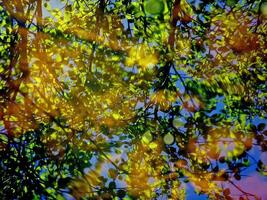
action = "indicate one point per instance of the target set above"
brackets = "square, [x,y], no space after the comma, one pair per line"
[154,7]
[261,77]
[147,137]
[3,138]
[178,123]
[168,138]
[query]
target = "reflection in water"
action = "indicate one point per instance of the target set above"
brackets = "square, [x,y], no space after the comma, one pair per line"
[133,100]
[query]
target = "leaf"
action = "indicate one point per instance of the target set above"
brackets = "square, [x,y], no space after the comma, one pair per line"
[260,77]
[216,169]
[58,58]
[154,7]
[181,163]
[153,145]
[264,8]
[260,164]
[222,159]
[112,173]
[147,137]
[112,185]
[246,162]
[226,192]
[261,127]
[3,138]
[178,123]
[237,176]
[121,193]
[62,182]
[168,138]
[230,2]
[116,116]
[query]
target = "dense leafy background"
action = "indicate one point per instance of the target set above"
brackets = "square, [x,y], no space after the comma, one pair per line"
[121,99]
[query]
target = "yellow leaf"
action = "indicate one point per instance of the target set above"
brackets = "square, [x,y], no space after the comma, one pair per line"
[153,145]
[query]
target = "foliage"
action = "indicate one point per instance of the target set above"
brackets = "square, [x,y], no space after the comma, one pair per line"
[121,99]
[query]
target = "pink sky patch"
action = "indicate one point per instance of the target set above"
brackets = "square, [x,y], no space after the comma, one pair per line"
[254,184]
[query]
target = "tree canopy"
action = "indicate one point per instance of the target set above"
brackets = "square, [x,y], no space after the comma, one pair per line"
[133,99]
